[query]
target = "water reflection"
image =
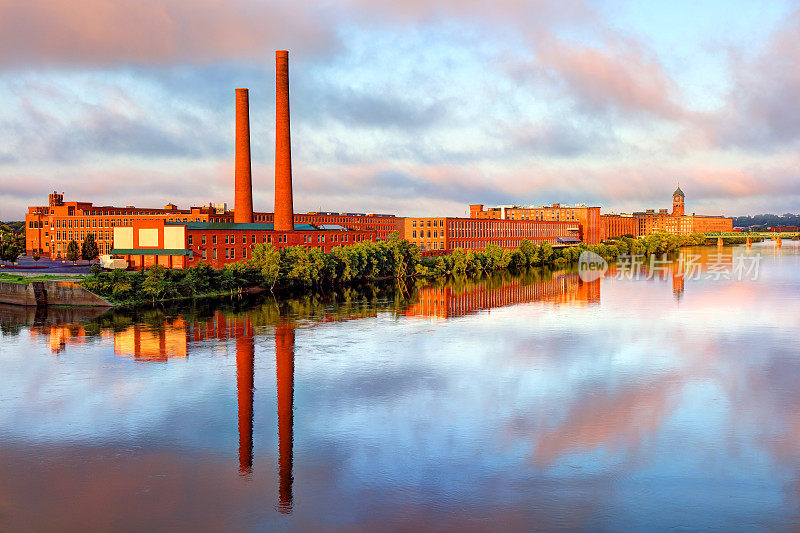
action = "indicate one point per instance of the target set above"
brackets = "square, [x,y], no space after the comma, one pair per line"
[467,297]
[284,364]
[245,369]
[535,404]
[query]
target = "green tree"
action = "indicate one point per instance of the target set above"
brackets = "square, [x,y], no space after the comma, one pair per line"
[8,250]
[89,248]
[297,270]
[73,251]
[459,261]
[155,282]
[529,251]
[545,252]
[266,259]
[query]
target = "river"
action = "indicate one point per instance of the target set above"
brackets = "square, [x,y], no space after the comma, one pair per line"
[653,398]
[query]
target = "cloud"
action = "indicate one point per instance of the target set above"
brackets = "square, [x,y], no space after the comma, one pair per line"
[762,112]
[382,110]
[408,107]
[557,139]
[620,75]
[60,123]
[103,33]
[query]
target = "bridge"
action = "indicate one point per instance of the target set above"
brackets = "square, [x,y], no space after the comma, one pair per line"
[762,234]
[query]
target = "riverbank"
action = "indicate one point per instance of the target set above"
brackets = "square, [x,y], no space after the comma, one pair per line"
[295,270]
[49,293]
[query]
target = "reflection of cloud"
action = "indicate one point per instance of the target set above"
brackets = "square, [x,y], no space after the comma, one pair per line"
[612,421]
[100,489]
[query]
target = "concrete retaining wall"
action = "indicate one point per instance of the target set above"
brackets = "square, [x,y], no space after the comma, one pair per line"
[40,293]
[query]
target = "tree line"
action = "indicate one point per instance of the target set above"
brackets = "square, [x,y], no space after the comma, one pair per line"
[12,240]
[298,269]
[762,221]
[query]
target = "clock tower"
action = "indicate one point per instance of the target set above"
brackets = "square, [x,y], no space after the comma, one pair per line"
[678,199]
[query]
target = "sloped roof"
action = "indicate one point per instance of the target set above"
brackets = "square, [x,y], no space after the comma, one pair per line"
[678,192]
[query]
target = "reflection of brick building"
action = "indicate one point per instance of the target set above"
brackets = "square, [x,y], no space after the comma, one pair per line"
[152,344]
[447,234]
[59,336]
[588,217]
[448,302]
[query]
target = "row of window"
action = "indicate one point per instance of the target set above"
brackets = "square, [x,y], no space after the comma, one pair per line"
[518,231]
[103,248]
[422,223]
[542,231]
[431,246]
[469,245]
[230,253]
[252,238]
[543,215]
[68,235]
[422,234]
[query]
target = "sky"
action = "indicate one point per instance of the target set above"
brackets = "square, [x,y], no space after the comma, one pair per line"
[411,107]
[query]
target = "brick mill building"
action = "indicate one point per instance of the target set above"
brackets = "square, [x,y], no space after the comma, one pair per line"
[596,227]
[679,223]
[613,226]
[588,218]
[49,228]
[445,234]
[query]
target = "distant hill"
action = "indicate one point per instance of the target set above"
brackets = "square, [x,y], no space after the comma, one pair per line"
[787,219]
[15,226]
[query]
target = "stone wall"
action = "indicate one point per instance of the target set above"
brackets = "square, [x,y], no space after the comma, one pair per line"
[41,293]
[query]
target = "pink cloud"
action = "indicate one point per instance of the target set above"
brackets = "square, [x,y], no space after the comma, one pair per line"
[620,74]
[104,32]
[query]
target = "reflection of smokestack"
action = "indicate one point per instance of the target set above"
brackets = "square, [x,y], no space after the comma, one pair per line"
[284,363]
[244,393]
[284,210]
[243,201]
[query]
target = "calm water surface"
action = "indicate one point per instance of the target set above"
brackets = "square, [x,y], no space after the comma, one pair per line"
[535,402]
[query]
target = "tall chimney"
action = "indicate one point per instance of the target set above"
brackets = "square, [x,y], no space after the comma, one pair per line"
[243,194]
[284,210]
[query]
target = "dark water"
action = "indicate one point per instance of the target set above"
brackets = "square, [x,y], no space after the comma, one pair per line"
[535,402]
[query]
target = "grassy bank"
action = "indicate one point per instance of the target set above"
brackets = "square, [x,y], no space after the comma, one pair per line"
[17,278]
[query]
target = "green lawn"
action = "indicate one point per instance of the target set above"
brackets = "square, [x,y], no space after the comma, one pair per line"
[15,278]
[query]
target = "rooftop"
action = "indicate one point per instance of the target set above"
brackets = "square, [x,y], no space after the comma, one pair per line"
[247,226]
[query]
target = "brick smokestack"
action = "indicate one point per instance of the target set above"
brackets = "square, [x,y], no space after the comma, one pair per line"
[243,194]
[284,210]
